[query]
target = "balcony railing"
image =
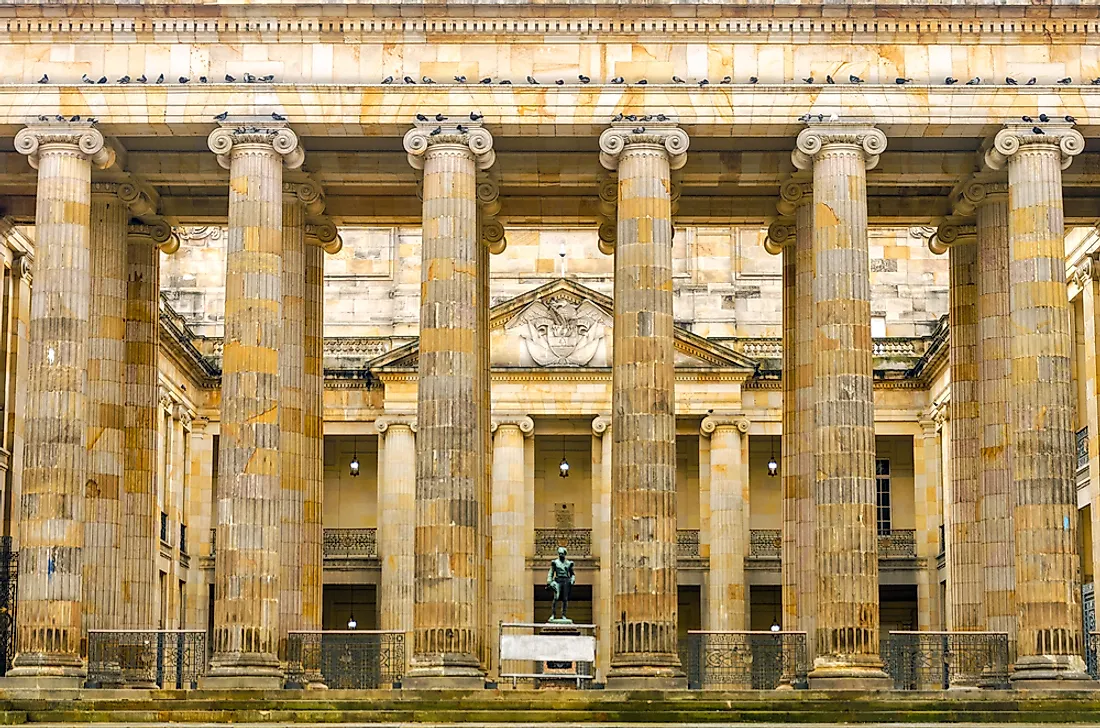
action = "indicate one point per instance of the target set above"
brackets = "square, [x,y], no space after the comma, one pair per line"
[941,660]
[897,544]
[577,541]
[353,660]
[351,543]
[687,543]
[161,658]
[745,660]
[766,543]
[1083,449]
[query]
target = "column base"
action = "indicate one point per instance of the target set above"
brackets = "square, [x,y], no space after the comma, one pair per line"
[243,672]
[1051,672]
[832,674]
[68,675]
[444,672]
[646,677]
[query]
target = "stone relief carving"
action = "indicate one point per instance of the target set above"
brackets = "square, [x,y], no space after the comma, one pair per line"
[561,333]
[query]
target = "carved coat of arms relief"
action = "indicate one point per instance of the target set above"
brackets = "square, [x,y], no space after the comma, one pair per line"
[561,333]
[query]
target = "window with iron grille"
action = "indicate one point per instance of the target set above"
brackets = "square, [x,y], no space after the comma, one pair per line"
[882,495]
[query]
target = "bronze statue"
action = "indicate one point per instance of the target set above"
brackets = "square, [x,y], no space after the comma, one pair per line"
[560,580]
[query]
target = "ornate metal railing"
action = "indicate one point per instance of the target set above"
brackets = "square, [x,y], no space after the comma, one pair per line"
[1083,448]
[897,544]
[161,658]
[345,659]
[745,660]
[940,660]
[577,541]
[9,582]
[766,543]
[687,543]
[1092,650]
[350,542]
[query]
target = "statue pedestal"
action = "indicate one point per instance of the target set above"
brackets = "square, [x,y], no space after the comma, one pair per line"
[553,654]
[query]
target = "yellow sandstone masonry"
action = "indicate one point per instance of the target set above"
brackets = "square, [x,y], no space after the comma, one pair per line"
[602,601]
[1041,433]
[729,523]
[246,611]
[643,454]
[397,521]
[846,632]
[50,628]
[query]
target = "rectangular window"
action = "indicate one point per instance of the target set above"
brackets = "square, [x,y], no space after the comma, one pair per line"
[882,495]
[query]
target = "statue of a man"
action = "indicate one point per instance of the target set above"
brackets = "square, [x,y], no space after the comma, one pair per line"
[560,580]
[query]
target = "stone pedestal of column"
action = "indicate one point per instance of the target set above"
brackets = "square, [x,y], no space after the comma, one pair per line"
[847,630]
[643,454]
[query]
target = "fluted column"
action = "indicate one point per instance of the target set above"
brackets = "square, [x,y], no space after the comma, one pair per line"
[845,539]
[246,592]
[511,586]
[397,522]
[643,455]
[1087,277]
[51,525]
[449,641]
[602,601]
[729,523]
[1041,436]
[927,510]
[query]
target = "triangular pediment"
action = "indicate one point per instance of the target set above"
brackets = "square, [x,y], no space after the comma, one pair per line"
[564,325]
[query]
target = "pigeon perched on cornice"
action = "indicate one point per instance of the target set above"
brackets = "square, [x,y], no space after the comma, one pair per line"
[409,79]
[460,79]
[829,79]
[387,80]
[425,79]
[728,79]
[1044,118]
[474,116]
[85,79]
[902,81]
[677,79]
[487,79]
[141,79]
[532,80]
[618,79]
[222,116]
[184,79]
[1010,81]
[160,78]
[229,79]
[1031,81]
[950,81]
[277,116]
[584,79]
[974,81]
[1065,81]
[45,79]
[808,79]
[852,78]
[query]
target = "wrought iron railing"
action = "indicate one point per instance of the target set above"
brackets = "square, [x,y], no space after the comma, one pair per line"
[161,658]
[1092,646]
[164,528]
[577,541]
[745,660]
[358,660]
[1082,448]
[766,543]
[941,660]
[9,582]
[687,543]
[897,544]
[350,542]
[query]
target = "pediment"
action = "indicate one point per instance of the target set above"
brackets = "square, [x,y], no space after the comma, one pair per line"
[564,325]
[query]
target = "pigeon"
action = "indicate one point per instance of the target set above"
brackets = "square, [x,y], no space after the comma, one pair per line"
[1095,82]
[160,78]
[44,79]
[203,79]
[474,116]
[677,79]
[92,120]
[1010,81]
[268,78]
[631,117]
[184,79]
[974,81]
[804,118]
[638,130]
[43,118]
[74,117]
[753,79]
[440,117]
[1044,118]
[249,78]
[1037,130]
[421,117]
[425,79]
[277,116]
[487,79]
[584,79]
[142,79]
[618,79]
[59,117]
[505,82]
[436,131]
[950,81]
[387,80]
[222,116]
[1070,119]
[809,79]
[1028,119]
[642,82]
[1030,81]
[102,79]
[560,82]
[460,79]
[532,80]
[703,82]
[1065,81]
[902,81]
[829,79]
[821,117]
[728,79]
[229,79]
[852,78]
[461,129]
[85,79]
[409,79]
[616,117]
[662,117]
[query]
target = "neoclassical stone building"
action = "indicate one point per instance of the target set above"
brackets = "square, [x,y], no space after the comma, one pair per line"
[308,311]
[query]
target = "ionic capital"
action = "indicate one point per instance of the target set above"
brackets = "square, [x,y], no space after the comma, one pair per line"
[820,137]
[463,133]
[1056,138]
[664,134]
[793,194]
[383,425]
[601,424]
[78,138]
[950,233]
[224,140]
[1086,272]
[322,231]
[525,424]
[488,200]
[140,199]
[711,423]
[308,193]
[23,268]
[781,233]
[975,193]
[155,231]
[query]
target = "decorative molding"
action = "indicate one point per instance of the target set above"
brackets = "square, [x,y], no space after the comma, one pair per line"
[488,201]
[1058,137]
[461,133]
[229,136]
[308,193]
[323,231]
[659,133]
[600,425]
[818,137]
[158,232]
[558,332]
[76,137]
[952,232]
[781,233]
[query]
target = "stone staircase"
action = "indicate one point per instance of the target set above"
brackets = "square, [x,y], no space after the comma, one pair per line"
[557,707]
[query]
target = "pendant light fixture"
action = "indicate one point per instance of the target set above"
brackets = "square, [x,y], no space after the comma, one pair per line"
[355,458]
[352,624]
[563,466]
[773,465]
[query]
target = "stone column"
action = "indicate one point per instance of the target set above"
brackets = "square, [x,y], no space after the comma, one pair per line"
[397,521]
[449,643]
[1041,436]
[643,455]
[845,539]
[729,523]
[602,602]
[1086,276]
[51,526]
[103,493]
[246,611]
[16,399]
[926,502]
[511,585]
